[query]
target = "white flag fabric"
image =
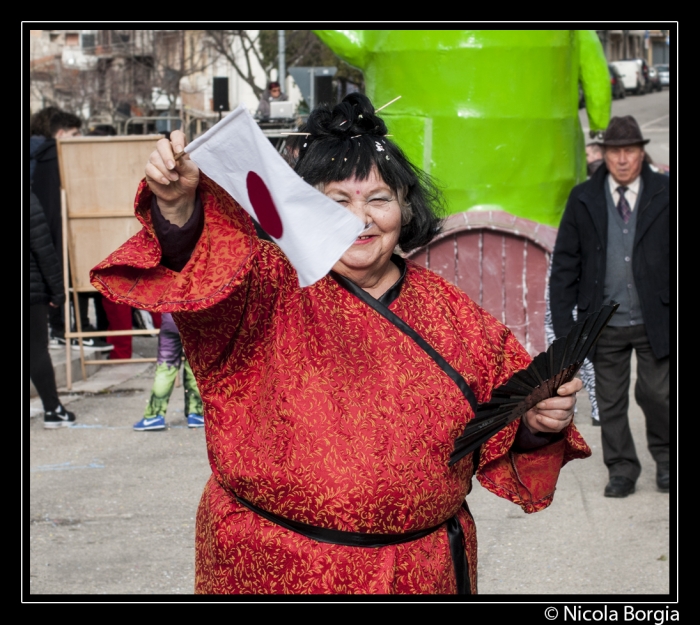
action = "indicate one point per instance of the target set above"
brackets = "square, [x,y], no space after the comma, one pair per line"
[312,230]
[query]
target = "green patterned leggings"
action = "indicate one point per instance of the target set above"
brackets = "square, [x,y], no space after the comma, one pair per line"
[163,386]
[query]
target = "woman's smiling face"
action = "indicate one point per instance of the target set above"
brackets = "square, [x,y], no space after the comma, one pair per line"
[373,202]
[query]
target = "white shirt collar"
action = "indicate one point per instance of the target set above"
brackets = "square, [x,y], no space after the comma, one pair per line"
[631,193]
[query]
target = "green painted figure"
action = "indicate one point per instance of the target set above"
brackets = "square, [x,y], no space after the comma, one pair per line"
[491,114]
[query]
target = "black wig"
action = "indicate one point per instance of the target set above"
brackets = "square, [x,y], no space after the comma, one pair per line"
[349,141]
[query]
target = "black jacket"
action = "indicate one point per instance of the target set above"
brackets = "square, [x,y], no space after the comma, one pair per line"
[46,183]
[45,267]
[579,257]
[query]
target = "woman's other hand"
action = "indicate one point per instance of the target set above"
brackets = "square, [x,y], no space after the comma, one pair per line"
[173,182]
[556,413]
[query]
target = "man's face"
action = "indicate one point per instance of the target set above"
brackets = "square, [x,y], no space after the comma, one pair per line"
[624,162]
[275,92]
[593,153]
[67,132]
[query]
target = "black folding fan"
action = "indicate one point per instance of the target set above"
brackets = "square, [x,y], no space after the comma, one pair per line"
[540,380]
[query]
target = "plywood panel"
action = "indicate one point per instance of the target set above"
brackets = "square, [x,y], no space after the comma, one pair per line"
[101,174]
[492,273]
[515,276]
[92,240]
[442,258]
[501,262]
[469,263]
[421,257]
[537,268]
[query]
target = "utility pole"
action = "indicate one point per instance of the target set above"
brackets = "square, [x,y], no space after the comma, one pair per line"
[281,64]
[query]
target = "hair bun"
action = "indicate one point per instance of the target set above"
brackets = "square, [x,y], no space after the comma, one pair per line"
[353,116]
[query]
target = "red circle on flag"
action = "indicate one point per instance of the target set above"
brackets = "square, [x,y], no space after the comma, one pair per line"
[264,207]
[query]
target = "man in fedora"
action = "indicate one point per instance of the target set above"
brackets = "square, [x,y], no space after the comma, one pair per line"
[613,246]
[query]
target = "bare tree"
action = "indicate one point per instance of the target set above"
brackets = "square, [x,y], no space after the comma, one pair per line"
[242,50]
[304,48]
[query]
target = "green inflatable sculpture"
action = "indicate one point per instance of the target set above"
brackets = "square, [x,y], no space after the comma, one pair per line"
[492,114]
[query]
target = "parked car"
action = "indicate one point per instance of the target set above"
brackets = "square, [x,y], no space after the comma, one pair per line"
[633,75]
[662,68]
[616,84]
[654,79]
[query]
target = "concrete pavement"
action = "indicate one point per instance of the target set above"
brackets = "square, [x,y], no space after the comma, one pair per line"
[111,511]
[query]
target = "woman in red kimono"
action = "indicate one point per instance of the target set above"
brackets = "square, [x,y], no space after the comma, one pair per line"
[329,426]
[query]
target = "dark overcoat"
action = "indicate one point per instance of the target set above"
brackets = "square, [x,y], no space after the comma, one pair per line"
[579,257]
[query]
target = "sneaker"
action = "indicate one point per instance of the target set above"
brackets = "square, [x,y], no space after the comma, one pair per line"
[94,343]
[145,425]
[195,421]
[59,418]
[56,342]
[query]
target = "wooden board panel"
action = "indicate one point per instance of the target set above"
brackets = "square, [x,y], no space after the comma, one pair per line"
[501,262]
[492,274]
[92,240]
[515,276]
[442,258]
[100,174]
[469,263]
[537,267]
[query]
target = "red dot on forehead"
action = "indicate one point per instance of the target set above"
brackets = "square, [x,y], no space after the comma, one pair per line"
[357,192]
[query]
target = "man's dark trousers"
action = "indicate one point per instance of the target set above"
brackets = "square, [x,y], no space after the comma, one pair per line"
[612,363]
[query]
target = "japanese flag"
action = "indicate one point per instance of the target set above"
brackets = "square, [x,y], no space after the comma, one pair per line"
[312,230]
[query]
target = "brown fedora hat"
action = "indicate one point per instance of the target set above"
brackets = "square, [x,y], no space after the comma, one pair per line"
[623,131]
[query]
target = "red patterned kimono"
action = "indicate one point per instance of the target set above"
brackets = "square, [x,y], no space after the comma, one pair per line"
[319,410]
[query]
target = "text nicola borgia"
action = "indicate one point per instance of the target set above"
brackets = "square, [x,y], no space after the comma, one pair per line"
[657,616]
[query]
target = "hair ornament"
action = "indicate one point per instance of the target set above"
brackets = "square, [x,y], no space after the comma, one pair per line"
[379,146]
[387,104]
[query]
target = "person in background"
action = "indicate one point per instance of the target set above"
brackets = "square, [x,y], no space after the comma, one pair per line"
[170,358]
[55,124]
[594,157]
[45,291]
[273,93]
[613,245]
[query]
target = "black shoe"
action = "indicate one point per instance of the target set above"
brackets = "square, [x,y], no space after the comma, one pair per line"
[619,486]
[663,476]
[94,344]
[595,422]
[59,418]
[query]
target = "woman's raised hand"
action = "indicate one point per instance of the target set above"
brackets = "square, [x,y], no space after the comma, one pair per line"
[173,182]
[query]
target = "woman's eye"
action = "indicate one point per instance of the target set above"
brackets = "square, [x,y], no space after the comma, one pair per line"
[380,201]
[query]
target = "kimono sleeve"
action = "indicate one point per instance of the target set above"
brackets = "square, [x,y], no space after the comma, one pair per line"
[219,265]
[528,478]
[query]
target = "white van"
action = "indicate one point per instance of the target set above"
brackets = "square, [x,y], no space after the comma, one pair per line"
[632,76]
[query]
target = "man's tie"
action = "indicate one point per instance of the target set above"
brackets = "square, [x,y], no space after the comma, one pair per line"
[623,206]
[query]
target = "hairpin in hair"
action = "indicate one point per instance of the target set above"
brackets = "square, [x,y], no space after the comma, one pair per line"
[387,104]
[301,134]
